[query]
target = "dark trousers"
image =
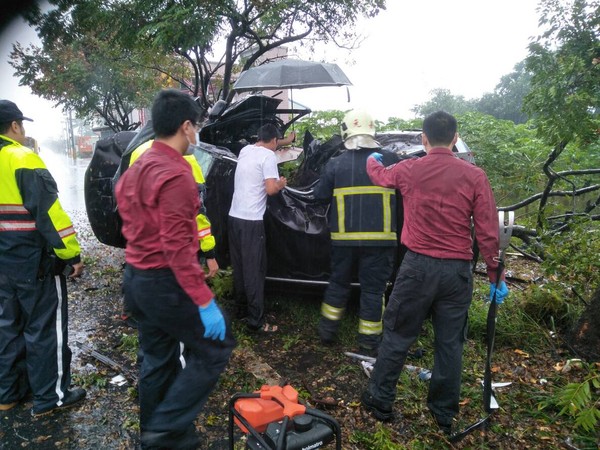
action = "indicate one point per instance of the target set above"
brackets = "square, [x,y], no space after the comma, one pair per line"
[171,396]
[426,286]
[248,251]
[33,324]
[375,265]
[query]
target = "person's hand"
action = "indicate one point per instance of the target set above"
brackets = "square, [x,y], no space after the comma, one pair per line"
[377,157]
[77,270]
[501,292]
[213,321]
[282,182]
[213,267]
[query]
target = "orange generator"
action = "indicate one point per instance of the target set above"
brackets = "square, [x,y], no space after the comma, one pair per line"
[273,419]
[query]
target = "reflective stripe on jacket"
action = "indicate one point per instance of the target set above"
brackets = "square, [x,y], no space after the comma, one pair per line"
[32,220]
[360,213]
[205,236]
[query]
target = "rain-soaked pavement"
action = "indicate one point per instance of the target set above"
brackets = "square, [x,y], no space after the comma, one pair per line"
[69,175]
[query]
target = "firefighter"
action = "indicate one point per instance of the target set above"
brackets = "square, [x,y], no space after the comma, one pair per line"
[38,246]
[205,236]
[362,221]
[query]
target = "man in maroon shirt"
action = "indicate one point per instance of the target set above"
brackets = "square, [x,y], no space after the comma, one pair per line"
[442,196]
[164,283]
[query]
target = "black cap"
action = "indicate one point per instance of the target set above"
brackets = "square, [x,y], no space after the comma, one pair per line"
[9,112]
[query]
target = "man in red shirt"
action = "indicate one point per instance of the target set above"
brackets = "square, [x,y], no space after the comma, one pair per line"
[164,283]
[442,196]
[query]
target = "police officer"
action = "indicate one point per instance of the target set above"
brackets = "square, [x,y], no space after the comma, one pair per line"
[38,246]
[362,220]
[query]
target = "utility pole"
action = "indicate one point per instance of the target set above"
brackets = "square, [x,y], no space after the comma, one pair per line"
[71,138]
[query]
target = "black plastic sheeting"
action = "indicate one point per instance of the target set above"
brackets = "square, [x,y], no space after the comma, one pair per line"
[100,202]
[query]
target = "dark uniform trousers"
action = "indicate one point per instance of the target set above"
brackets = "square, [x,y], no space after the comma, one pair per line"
[375,265]
[33,319]
[171,396]
[426,286]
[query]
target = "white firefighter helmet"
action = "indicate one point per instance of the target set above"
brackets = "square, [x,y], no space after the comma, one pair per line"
[358,130]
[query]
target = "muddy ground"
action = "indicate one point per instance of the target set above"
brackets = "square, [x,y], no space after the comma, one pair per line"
[325,377]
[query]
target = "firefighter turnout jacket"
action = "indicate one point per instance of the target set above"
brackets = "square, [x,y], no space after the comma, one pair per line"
[360,213]
[33,224]
[205,237]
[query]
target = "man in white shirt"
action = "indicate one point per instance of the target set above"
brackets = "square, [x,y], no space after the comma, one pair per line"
[256,176]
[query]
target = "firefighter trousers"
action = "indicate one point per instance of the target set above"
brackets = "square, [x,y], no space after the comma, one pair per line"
[374,265]
[33,318]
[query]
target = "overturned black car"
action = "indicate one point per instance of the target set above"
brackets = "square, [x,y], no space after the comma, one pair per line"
[298,244]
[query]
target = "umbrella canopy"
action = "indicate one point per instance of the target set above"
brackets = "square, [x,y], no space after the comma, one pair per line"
[291,73]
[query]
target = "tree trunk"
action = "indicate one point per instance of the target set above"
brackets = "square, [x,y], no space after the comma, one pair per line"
[585,337]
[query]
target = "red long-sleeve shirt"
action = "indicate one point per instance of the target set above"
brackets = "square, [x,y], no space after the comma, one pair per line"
[158,202]
[441,193]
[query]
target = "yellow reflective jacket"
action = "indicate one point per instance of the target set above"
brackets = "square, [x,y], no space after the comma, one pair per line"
[32,221]
[205,237]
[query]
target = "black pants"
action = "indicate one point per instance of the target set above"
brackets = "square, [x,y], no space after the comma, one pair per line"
[33,318]
[247,247]
[424,286]
[375,265]
[171,396]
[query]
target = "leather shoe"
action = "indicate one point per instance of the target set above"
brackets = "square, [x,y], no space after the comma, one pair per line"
[7,406]
[175,439]
[71,398]
[380,410]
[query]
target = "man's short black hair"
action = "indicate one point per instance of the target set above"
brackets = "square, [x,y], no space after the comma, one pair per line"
[440,128]
[170,109]
[5,127]
[268,132]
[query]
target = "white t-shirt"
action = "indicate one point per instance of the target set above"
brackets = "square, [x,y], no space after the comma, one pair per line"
[255,165]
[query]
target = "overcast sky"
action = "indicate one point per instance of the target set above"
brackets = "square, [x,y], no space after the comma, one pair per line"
[465,46]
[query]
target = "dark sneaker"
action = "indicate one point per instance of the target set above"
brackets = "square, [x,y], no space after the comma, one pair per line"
[380,410]
[72,397]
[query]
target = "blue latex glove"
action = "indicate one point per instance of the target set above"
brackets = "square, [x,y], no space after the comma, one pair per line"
[501,292]
[377,156]
[213,321]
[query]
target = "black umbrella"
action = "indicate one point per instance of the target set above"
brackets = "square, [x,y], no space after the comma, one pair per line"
[291,73]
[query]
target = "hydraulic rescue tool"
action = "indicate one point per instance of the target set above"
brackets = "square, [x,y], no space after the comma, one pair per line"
[273,419]
[490,405]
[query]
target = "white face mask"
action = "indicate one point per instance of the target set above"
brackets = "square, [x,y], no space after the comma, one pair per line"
[190,149]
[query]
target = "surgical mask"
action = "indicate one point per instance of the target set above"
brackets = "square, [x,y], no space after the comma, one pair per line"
[190,149]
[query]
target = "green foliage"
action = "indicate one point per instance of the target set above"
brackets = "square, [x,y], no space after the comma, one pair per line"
[580,401]
[289,342]
[548,305]
[574,256]
[104,58]
[395,123]
[442,99]
[130,344]
[510,154]
[506,102]
[89,380]
[81,67]
[565,66]
[321,124]
[380,440]
[222,283]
